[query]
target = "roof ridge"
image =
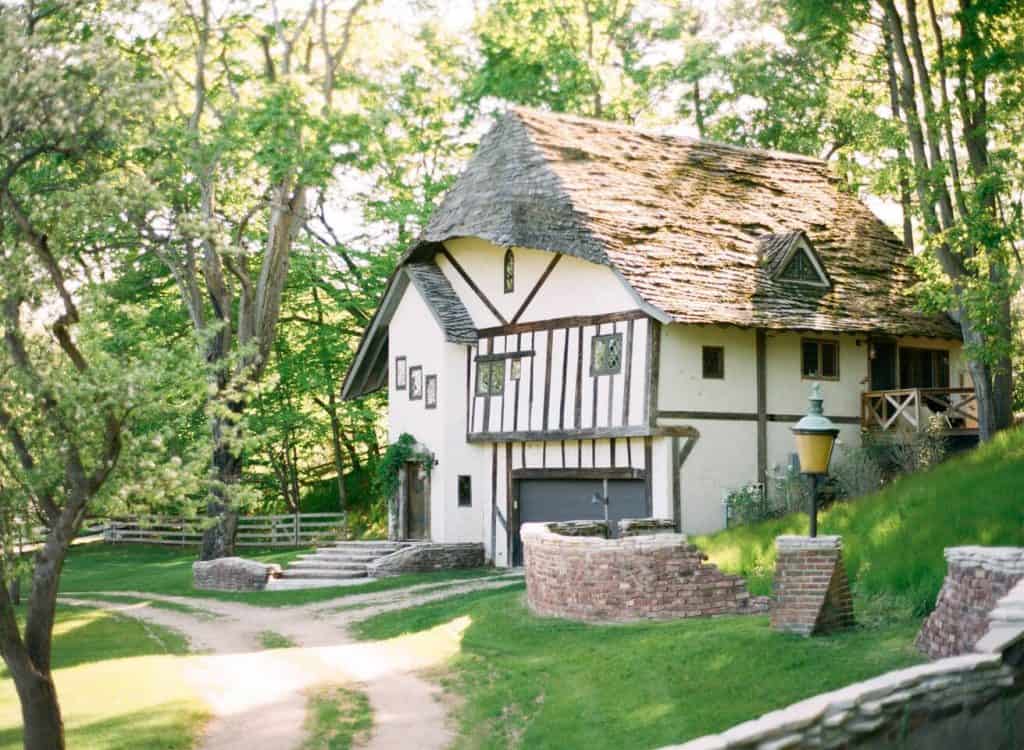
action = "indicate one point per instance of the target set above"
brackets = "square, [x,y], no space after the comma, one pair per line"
[520,110]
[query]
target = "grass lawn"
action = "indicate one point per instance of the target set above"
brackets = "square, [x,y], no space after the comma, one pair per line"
[336,717]
[119,683]
[546,683]
[163,570]
[893,540]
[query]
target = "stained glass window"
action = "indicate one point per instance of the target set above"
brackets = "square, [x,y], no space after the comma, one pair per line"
[606,354]
[510,271]
[490,378]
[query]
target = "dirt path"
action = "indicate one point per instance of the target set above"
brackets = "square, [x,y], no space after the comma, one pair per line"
[258,697]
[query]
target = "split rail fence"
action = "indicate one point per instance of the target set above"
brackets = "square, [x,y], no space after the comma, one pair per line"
[290,530]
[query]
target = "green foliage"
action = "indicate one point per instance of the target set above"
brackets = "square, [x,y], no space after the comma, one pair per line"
[893,540]
[532,682]
[397,455]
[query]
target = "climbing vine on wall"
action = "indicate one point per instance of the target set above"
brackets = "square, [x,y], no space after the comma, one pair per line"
[395,457]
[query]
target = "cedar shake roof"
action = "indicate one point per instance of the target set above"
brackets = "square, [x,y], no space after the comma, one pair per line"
[686,224]
[443,302]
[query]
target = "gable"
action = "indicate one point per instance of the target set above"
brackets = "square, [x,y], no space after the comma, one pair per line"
[790,257]
[545,284]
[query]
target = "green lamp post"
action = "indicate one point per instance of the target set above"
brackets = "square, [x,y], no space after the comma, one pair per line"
[815,436]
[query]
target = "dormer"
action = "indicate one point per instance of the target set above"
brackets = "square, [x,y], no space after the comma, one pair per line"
[789,257]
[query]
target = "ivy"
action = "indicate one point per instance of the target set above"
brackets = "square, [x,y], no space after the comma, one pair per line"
[399,453]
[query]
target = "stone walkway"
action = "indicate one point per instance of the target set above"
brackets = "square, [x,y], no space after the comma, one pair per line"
[258,697]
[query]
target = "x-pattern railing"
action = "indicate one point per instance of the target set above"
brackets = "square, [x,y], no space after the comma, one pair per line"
[911,407]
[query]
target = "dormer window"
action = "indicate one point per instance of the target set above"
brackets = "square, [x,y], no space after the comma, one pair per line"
[790,257]
[510,271]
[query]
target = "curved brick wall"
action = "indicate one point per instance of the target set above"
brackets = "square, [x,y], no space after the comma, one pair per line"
[650,577]
[976,578]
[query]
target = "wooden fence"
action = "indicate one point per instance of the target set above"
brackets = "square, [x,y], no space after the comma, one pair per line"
[292,530]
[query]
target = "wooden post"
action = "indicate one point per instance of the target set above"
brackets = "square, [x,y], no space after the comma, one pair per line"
[761,348]
[298,523]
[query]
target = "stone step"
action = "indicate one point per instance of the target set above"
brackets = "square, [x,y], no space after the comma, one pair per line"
[292,574]
[367,546]
[340,556]
[283,584]
[316,565]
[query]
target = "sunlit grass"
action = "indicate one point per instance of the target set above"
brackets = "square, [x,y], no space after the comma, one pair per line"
[336,717]
[532,682]
[893,541]
[120,684]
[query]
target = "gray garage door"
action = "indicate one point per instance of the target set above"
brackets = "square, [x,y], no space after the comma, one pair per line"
[571,500]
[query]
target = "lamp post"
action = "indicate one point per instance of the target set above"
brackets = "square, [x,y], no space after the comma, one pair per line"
[815,436]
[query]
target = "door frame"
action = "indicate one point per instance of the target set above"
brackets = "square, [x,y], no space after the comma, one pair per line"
[518,475]
[403,499]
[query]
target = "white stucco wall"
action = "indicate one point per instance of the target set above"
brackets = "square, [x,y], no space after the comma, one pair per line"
[414,334]
[575,287]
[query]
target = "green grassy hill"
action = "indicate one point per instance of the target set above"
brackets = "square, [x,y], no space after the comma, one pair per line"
[893,539]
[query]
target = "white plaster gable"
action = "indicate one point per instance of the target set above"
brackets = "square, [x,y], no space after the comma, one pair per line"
[573,287]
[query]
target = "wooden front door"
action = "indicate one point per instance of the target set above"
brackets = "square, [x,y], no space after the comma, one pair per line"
[417,502]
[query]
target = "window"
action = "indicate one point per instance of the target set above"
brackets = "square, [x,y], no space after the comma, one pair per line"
[800,268]
[820,359]
[713,362]
[465,491]
[490,378]
[924,368]
[430,392]
[510,271]
[415,383]
[515,369]
[606,354]
[400,373]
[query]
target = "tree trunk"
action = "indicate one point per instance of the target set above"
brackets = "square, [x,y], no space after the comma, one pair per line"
[40,712]
[219,538]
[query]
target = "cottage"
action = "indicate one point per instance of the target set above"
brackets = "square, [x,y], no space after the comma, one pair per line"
[595,303]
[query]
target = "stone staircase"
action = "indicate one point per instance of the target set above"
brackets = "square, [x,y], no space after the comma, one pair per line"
[338,564]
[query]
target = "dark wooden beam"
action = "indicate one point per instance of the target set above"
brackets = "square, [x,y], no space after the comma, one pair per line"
[555,435]
[472,285]
[653,366]
[742,416]
[621,472]
[570,322]
[760,355]
[627,372]
[536,287]
[519,354]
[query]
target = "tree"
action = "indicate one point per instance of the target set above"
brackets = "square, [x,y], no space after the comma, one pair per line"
[955,94]
[236,167]
[70,391]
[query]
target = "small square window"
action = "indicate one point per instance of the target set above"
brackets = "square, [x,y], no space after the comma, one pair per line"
[490,378]
[713,362]
[465,491]
[515,369]
[819,360]
[606,354]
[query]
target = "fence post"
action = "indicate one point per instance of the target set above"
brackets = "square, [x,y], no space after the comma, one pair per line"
[298,522]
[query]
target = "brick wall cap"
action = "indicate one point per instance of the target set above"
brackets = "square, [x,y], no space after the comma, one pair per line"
[997,559]
[793,542]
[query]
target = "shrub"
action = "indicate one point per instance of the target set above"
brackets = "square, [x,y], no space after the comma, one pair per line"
[856,472]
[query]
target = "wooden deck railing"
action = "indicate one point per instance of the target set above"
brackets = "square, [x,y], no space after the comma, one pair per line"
[912,409]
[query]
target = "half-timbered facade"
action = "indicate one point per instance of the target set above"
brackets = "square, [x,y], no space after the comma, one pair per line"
[599,314]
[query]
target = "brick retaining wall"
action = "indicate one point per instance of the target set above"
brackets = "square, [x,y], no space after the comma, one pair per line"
[970,701]
[652,577]
[812,594]
[976,578]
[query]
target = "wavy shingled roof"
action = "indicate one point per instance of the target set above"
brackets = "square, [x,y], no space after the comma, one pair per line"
[683,221]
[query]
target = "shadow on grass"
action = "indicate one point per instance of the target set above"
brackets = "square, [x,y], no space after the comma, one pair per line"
[170,726]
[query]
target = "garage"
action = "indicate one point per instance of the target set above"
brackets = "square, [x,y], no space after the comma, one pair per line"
[572,500]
